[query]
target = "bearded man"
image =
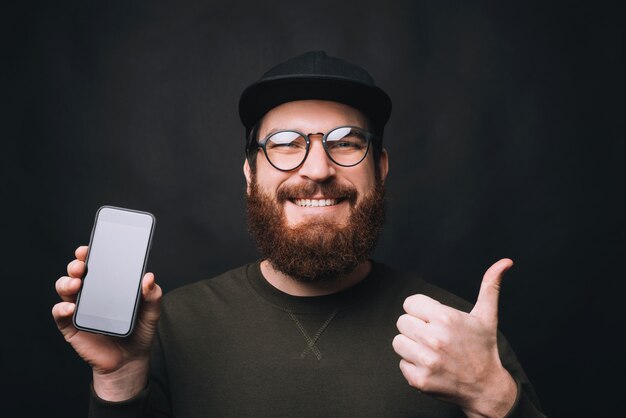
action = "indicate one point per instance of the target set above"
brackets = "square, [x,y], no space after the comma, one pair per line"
[311,329]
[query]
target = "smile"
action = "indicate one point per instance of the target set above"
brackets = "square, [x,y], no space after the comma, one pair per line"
[315,202]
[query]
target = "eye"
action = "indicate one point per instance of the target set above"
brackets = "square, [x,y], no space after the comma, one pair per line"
[285,140]
[346,144]
[346,139]
[271,144]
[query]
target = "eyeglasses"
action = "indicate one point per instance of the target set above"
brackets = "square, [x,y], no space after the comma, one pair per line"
[346,146]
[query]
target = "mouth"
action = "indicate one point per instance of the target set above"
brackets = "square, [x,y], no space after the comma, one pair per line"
[307,203]
[310,197]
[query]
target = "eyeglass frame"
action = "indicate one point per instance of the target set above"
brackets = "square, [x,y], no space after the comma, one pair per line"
[371,137]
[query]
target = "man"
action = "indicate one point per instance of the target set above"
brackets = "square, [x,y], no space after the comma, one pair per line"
[310,330]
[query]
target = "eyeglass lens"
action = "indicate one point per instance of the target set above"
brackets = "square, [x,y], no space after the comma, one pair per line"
[346,146]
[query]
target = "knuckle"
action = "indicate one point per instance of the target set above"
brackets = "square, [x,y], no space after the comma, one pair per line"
[412,300]
[77,268]
[436,343]
[446,318]
[432,361]
[427,361]
[70,265]
[418,380]
[79,250]
[397,342]
[445,339]
[413,381]
[59,285]
[440,341]
[401,322]
[68,285]
[57,312]
[158,293]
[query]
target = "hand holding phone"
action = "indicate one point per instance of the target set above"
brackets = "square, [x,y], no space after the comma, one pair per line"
[120,365]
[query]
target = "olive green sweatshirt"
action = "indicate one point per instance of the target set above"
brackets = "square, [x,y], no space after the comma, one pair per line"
[235,346]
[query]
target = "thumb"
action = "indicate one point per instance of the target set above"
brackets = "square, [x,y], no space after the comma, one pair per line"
[487,303]
[152,294]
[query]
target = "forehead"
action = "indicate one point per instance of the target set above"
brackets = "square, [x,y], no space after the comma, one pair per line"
[310,116]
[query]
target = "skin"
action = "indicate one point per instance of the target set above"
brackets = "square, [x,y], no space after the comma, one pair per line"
[314,116]
[119,365]
[453,355]
[446,353]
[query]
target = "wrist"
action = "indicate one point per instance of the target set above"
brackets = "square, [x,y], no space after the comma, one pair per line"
[123,383]
[496,400]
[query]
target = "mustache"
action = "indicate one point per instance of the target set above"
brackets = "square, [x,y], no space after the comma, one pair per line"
[330,189]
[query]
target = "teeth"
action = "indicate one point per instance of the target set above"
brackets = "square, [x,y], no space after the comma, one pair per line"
[315,202]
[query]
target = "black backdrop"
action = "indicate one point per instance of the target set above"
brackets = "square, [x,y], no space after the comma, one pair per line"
[506,139]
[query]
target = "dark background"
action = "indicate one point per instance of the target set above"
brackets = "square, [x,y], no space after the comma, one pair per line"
[506,139]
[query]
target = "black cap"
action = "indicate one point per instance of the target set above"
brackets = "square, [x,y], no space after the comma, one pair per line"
[315,76]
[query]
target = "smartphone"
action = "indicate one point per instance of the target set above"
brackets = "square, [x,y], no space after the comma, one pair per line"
[116,261]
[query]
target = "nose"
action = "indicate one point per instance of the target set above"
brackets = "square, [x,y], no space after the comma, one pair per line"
[317,166]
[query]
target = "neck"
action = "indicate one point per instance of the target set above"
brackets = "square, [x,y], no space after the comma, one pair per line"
[293,287]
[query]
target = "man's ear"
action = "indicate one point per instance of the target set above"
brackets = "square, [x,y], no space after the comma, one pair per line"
[383,165]
[247,171]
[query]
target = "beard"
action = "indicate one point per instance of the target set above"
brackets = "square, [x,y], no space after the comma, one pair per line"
[319,249]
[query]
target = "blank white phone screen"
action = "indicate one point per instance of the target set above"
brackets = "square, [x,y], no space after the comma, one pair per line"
[116,260]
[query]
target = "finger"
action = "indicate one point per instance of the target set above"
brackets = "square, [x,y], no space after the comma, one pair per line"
[150,291]
[436,336]
[152,294]
[62,313]
[419,354]
[412,327]
[423,379]
[487,302]
[76,268]
[413,374]
[81,252]
[67,288]
[424,307]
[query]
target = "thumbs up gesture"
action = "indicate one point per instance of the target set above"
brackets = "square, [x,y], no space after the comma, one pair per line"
[453,355]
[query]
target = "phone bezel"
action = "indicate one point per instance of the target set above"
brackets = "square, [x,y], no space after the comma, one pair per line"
[143,271]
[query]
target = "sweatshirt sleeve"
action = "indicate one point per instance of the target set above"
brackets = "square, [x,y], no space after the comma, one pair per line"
[131,408]
[523,406]
[151,402]
[526,403]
